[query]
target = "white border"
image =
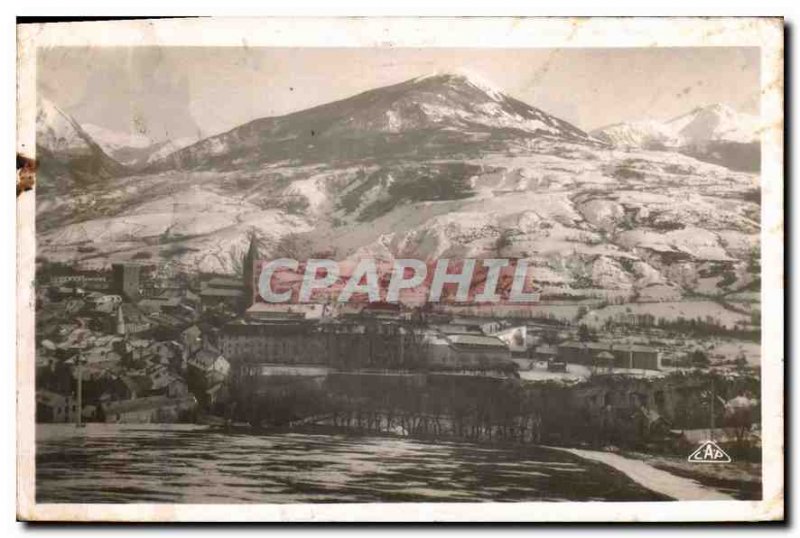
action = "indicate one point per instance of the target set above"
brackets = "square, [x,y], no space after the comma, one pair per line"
[441,32]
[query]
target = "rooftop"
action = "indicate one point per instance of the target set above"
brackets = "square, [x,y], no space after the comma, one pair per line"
[221,292]
[285,311]
[477,340]
[224,282]
[459,329]
[606,346]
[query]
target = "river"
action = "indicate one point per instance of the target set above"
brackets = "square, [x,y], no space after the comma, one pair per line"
[107,463]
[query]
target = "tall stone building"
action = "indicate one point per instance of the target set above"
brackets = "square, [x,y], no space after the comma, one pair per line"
[125,280]
[249,273]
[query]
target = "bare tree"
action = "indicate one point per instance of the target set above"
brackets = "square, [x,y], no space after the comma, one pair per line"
[294,246]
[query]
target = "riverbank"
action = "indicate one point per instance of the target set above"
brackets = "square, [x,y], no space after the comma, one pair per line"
[653,478]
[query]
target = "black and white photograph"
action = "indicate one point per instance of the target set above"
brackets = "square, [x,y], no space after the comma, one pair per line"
[367,275]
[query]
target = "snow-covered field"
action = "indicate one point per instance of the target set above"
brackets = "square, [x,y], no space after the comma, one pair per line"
[670,311]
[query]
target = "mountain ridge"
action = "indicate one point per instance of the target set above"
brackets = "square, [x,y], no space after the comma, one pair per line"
[684,128]
[443,111]
[68,156]
[602,226]
[714,133]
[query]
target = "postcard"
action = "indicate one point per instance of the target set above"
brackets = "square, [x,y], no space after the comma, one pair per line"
[406,269]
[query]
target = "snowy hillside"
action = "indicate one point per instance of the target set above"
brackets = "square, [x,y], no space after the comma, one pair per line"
[713,123]
[440,166]
[111,140]
[163,149]
[59,133]
[715,133]
[639,134]
[128,148]
[134,150]
[67,154]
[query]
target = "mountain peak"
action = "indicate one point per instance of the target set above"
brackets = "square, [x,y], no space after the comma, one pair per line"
[50,114]
[58,131]
[436,113]
[715,110]
[66,153]
[715,132]
[716,121]
[463,76]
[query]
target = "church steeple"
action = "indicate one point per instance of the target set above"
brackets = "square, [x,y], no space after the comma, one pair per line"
[121,330]
[248,271]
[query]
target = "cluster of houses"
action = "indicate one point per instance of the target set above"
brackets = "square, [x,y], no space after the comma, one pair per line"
[135,346]
[150,345]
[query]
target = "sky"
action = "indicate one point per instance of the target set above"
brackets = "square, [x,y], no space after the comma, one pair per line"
[174,92]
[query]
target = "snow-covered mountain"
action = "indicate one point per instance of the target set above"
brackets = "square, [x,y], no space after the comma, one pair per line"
[134,150]
[440,113]
[128,148]
[438,166]
[111,140]
[715,123]
[59,133]
[638,134]
[167,147]
[716,133]
[67,154]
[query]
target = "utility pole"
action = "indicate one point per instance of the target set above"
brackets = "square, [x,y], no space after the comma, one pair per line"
[79,369]
[713,397]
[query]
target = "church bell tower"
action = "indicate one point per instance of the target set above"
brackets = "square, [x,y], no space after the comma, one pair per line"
[248,273]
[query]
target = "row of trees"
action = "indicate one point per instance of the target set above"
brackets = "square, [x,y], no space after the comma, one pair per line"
[698,327]
[613,410]
[466,407]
